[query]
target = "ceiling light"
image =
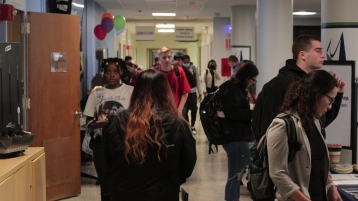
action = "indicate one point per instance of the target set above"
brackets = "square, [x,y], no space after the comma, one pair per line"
[165,25]
[166,30]
[78,5]
[164,14]
[304,13]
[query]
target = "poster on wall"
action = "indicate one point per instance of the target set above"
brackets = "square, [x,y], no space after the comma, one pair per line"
[225,68]
[343,129]
[339,42]
[241,52]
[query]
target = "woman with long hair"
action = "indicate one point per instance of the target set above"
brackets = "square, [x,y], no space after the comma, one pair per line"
[103,103]
[238,114]
[306,177]
[149,148]
[210,78]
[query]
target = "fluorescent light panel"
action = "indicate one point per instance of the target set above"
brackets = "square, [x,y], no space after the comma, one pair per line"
[304,13]
[164,14]
[165,25]
[166,30]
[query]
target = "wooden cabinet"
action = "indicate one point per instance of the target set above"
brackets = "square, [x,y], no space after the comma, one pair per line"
[23,178]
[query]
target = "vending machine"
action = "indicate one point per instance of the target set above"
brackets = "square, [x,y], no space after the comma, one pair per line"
[13,139]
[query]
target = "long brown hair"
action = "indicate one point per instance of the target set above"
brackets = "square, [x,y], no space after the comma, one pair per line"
[151,92]
[303,96]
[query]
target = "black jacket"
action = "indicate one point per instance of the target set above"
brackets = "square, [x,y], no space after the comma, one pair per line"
[153,180]
[236,108]
[273,93]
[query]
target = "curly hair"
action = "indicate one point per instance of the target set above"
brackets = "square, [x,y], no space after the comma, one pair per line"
[303,96]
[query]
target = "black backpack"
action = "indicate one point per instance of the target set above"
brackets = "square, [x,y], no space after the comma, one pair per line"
[212,124]
[190,77]
[259,183]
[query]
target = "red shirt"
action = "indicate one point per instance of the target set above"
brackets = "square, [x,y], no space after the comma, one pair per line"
[177,88]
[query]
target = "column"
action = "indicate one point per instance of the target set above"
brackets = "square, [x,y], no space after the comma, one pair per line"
[243,33]
[274,37]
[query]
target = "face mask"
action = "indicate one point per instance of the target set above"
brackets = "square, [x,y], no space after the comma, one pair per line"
[212,67]
[186,65]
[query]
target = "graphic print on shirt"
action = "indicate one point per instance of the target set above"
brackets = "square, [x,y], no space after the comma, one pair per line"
[108,110]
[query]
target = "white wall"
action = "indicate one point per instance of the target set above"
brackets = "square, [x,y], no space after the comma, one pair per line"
[218,45]
[206,39]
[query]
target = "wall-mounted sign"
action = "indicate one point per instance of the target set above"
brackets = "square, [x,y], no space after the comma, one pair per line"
[145,33]
[184,34]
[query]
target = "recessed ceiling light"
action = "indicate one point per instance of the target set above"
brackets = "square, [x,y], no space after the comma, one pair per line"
[164,14]
[166,30]
[304,13]
[165,25]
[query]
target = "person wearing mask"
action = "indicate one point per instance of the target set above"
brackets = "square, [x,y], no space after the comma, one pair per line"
[102,105]
[307,176]
[192,102]
[148,148]
[238,114]
[210,78]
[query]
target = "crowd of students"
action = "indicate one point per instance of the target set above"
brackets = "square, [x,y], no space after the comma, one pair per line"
[144,145]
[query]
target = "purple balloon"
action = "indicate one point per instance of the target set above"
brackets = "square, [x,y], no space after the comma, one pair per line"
[107,24]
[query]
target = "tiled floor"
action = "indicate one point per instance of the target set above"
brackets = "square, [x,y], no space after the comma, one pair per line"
[207,182]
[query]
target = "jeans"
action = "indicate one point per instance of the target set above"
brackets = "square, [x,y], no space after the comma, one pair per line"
[191,104]
[99,163]
[238,159]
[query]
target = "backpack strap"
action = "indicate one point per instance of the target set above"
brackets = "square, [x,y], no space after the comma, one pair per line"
[177,73]
[293,144]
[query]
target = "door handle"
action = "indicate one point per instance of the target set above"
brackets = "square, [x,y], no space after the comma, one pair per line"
[78,114]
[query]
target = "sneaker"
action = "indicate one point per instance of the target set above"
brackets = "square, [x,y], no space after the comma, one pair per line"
[193,130]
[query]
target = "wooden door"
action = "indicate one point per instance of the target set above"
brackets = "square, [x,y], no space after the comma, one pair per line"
[54,99]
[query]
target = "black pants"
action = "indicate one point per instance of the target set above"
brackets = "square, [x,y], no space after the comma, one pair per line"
[191,104]
[103,177]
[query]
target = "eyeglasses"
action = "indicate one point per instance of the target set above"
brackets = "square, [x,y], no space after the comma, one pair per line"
[331,100]
[253,80]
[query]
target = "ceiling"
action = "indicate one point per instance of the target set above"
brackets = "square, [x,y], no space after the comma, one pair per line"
[139,12]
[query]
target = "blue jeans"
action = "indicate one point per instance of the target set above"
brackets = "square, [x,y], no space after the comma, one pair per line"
[238,159]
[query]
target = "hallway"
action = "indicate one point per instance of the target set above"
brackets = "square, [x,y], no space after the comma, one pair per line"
[207,182]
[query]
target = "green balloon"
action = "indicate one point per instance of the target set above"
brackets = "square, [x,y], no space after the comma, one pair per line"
[119,22]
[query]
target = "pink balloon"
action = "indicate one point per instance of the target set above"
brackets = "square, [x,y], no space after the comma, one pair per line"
[99,32]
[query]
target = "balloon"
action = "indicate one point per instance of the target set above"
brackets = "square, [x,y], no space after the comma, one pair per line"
[109,15]
[99,33]
[119,31]
[119,22]
[107,24]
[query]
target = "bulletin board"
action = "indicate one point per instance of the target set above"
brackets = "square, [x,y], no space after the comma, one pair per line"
[343,130]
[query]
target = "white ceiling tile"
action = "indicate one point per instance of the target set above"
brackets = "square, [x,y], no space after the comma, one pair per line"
[204,10]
